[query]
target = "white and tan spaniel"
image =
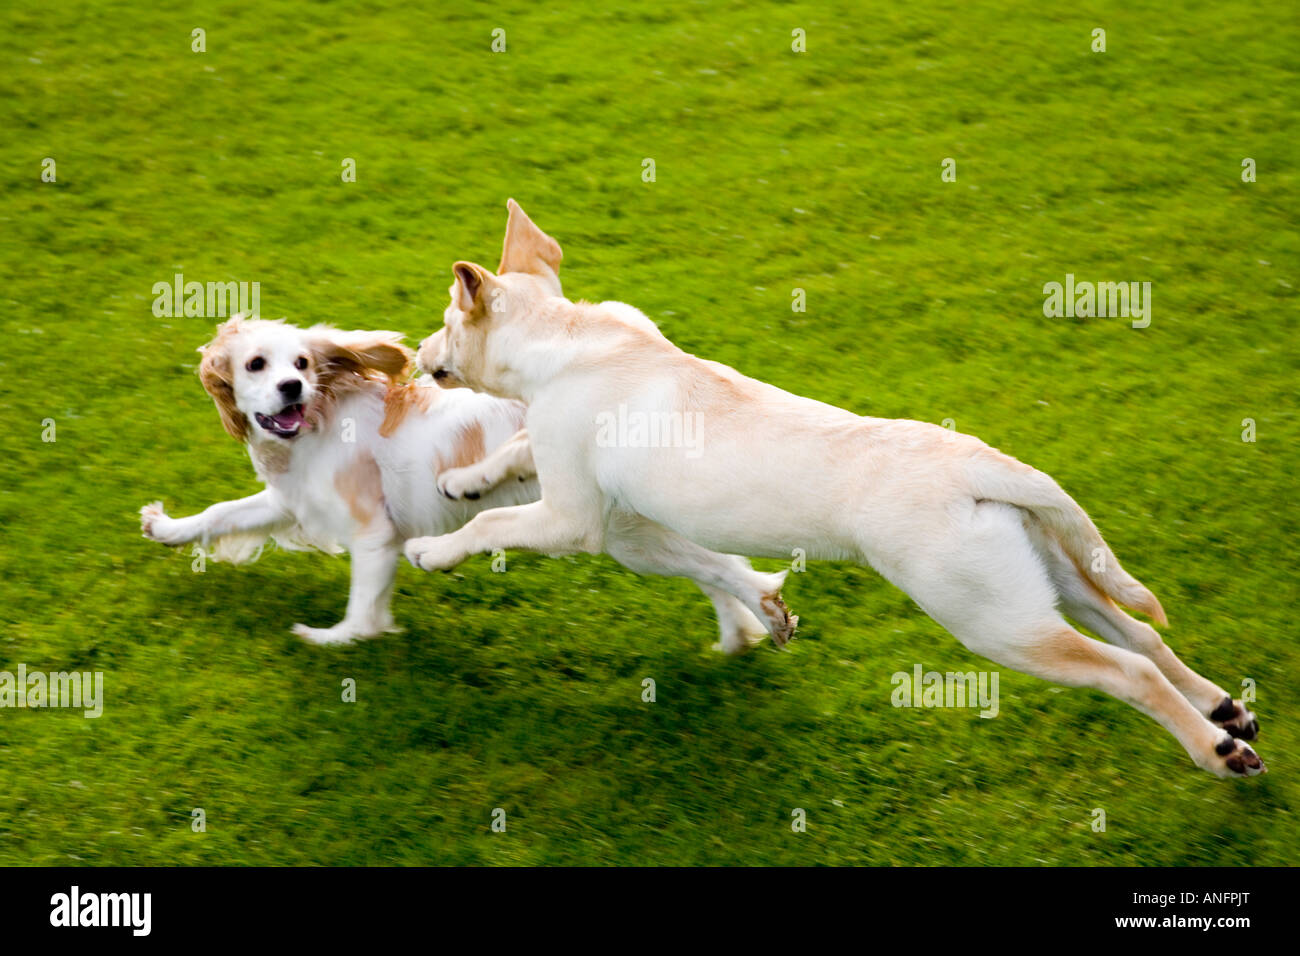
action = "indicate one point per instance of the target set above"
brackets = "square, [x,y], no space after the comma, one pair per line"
[351,454]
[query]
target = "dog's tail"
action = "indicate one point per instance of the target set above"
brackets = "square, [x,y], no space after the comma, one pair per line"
[1000,477]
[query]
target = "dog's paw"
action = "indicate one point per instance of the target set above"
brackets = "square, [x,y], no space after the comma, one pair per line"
[1237,759]
[780,622]
[739,641]
[156,526]
[1233,717]
[338,634]
[431,554]
[469,482]
[149,515]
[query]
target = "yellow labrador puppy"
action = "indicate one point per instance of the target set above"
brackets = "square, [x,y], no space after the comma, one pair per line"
[620,418]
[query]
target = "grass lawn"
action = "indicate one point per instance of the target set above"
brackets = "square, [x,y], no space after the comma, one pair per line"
[774,171]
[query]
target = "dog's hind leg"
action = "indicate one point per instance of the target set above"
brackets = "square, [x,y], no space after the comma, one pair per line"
[980,576]
[727,579]
[738,629]
[1057,652]
[1081,601]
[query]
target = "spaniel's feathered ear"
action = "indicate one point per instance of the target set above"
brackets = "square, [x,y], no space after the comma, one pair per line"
[217,378]
[369,354]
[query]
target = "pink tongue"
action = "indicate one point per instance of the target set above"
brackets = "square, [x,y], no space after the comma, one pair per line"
[287,420]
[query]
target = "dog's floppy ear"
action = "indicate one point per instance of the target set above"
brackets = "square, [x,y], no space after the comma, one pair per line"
[527,248]
[474,289]
[218,380]
[369,354]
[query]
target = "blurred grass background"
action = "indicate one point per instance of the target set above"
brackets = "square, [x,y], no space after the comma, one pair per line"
[775,171]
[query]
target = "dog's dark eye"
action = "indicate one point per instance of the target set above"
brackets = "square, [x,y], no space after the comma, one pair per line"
[256,364]
[301,363]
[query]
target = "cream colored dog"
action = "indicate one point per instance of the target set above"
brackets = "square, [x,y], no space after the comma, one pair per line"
[990,548]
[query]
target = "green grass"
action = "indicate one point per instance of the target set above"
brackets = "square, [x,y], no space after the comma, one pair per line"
[774,171]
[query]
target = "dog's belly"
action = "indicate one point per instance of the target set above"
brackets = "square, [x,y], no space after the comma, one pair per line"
[836,490]
[735,504]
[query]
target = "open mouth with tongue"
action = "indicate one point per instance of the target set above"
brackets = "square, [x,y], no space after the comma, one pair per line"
[285,424]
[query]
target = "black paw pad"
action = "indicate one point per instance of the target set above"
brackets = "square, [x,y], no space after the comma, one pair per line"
[1248,732]
[1243,761]
[1225,711]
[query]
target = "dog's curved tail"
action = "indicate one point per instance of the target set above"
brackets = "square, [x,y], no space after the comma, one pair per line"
[999,477]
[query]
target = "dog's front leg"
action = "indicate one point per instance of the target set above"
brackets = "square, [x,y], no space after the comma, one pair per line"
[533,527]
[262,512]
[513,459]
[374,565]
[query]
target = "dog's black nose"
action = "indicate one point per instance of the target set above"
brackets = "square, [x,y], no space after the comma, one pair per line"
[290,388]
